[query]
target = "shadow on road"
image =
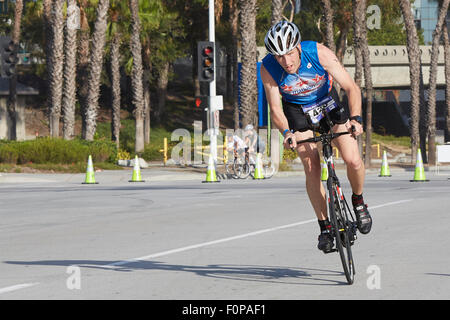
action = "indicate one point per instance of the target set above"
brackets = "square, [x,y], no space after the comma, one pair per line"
[271,274]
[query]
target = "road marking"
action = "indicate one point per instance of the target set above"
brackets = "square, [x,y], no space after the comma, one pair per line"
[245,235]
[204,244]
[390,204]
[17,287]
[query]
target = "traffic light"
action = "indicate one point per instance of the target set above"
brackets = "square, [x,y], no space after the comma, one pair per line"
[205,54]
[201,102]
[9,58]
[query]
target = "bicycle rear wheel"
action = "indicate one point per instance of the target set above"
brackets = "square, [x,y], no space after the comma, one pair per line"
[268,170]
[342,229]
[241,168]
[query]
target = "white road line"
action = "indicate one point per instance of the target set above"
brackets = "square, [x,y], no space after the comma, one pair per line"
[204,244]
[390,204]
[245,235]
[17,287]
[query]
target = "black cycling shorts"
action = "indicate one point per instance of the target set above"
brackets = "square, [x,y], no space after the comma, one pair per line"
[298,121]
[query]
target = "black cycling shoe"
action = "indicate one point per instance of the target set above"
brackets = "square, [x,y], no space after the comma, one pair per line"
[363,218]
[326,241]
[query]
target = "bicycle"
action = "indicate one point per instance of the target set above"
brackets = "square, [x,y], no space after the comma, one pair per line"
[242,167]
[343,223]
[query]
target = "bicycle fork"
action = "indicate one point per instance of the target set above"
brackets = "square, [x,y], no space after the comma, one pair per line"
[340,204]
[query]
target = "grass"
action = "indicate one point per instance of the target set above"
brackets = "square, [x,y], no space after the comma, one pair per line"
[404,141]
[127,139]
[78,167]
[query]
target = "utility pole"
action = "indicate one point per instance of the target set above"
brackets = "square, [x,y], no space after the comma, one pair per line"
[215,102]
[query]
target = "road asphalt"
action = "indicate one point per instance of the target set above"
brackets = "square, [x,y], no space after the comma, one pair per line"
[173,237]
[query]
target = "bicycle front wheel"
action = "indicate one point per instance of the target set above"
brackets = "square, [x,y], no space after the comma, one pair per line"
[229,167]
[341,228]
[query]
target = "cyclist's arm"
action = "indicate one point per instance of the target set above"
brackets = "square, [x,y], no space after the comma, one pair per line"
[273,98]
[332,65]
[276,110]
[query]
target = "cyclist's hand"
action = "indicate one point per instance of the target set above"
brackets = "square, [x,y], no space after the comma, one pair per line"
[289,141]
[355,128]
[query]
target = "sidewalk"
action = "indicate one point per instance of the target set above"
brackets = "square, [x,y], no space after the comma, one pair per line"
[158,172]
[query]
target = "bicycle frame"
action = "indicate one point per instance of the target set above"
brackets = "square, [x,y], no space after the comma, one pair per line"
[341,218]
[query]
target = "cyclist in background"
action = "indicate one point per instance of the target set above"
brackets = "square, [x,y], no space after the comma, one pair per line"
[302,72]
[236,145]
[253,140]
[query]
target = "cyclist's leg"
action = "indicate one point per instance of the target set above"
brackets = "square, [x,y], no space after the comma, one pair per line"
[309,155]
[348,149]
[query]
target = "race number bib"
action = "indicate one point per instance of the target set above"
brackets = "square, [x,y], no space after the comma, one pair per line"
[314,111]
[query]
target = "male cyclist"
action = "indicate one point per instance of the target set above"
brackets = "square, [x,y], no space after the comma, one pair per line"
[236,145]
[302,72]
[253,140]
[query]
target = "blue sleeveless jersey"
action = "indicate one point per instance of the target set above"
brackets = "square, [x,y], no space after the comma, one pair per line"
[309,84]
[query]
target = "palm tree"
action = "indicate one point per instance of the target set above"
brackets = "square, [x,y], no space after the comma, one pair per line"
[161,90]
[233,63]
[329,29]
[115,84]
[56,69]
[412,43]
[95,68]
[136,77]
[368,85]
[277,11]
[150,17]
[83,62]
[447,81]
[115,36]
[248,89]
[70,67]
[47,18]
[358,40]
[12,101]
[431,110]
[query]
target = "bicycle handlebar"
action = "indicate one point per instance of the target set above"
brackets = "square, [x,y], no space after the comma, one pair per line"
[323,137]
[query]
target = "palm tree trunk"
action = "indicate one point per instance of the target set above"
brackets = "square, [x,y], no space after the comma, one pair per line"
[48,32]
[414,72]
[234,21]
[115,85]
[136,77]
[447,81]
[431,110]
[161,90]
[368,84]
[83,64]
[147,109]
[358,11]
[248,87]
[12,101]
[277,11]
[147,101]
[95,68]
[329,29]
[70,68]
[57,64]
[342,42]
[357,42]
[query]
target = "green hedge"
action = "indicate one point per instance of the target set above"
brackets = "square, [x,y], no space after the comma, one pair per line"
[56,150]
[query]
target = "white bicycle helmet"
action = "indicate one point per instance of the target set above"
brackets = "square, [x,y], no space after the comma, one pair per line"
[282,38]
